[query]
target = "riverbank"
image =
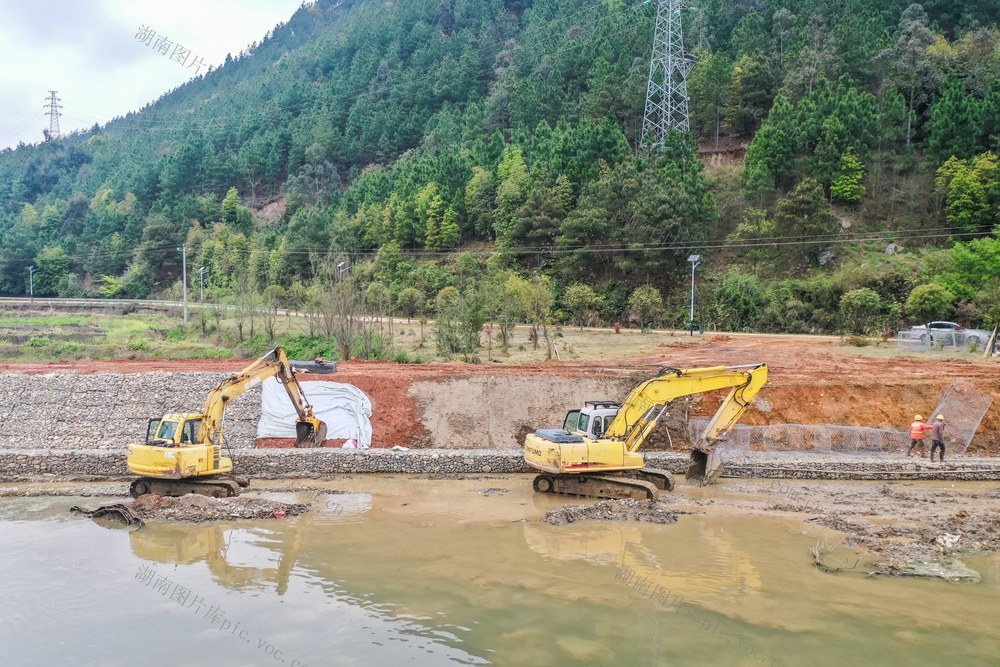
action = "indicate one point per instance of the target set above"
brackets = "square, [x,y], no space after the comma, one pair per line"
[99,464]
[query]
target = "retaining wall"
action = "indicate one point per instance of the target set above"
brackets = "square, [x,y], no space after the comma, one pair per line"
[67,411]
[48,465]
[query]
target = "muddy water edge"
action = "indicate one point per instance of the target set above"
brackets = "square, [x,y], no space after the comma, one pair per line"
[406,570]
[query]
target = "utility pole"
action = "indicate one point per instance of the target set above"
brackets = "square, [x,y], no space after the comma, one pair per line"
[184,279]
[666,91]
[31,283]
[53,106]
[201,277]
[695,263]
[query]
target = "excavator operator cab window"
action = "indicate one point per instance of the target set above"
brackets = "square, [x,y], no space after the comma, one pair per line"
[151,429]
[598,426]
[190,433]
[166,431]
[572,422]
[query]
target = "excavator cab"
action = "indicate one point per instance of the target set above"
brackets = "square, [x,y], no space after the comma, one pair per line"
[174,430]
[592,420]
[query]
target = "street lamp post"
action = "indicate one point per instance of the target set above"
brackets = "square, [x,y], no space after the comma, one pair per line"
[31,283]
[201,278]
[695,263]
[184,279]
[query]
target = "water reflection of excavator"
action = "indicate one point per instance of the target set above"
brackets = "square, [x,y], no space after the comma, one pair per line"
[182,452]
[596,452]
[243,555]
[185,544]
[679,569]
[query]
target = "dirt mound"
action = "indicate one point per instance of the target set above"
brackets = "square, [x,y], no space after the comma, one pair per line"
[645,511]
[197,509]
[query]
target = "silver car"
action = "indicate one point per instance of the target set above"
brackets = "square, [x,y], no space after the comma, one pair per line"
[948,331]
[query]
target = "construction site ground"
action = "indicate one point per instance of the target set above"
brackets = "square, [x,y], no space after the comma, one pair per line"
[900,521]
[813,380]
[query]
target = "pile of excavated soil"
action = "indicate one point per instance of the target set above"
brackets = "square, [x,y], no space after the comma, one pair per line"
[197,509]
[645,511]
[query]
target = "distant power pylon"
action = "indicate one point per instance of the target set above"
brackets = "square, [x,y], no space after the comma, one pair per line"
[666,93]
[53,113]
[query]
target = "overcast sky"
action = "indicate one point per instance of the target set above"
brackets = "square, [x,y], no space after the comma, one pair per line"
[87,50]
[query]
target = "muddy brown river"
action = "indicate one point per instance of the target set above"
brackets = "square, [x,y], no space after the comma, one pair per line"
[407,571]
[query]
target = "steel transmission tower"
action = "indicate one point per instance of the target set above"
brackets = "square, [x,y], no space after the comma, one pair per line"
[666,93]
[53,113]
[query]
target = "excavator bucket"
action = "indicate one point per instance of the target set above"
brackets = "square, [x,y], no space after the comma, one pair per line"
[310,432]
[704,467]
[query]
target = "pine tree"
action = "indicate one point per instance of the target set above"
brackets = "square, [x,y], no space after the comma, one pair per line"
[449,234]
[805,215]
[770,156]
[955,124]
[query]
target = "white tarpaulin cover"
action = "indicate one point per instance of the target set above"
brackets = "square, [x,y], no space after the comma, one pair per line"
[346,410]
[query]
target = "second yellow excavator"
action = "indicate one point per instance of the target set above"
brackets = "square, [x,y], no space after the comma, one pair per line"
[183,450]
[596,452]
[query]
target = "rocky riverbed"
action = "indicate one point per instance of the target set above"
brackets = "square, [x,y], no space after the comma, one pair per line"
[919,529]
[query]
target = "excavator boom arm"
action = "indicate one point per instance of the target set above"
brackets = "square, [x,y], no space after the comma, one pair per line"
[272,364]
[736,403]
[638,412]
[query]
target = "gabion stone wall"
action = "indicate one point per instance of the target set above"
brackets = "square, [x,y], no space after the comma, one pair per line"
[109,410]
[328,462]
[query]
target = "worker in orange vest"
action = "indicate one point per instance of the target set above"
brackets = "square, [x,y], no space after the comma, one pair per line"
[917,430]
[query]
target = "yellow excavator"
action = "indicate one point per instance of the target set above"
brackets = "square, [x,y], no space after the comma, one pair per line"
[183,450]
[596,452]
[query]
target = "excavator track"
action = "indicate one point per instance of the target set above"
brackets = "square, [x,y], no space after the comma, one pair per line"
[663,480]
[596,486]
[213,487]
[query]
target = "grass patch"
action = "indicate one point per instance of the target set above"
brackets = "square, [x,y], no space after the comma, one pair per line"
[46,320]
[191,350]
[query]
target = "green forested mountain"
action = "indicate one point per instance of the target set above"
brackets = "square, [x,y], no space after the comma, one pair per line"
[439,147]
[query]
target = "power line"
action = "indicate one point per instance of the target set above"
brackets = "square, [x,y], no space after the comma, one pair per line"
[612,249]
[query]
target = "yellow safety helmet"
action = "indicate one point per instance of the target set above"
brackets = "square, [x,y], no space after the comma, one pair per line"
[917,417]
[941,417]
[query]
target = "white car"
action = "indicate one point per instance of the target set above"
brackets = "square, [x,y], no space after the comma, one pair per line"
[947,330]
